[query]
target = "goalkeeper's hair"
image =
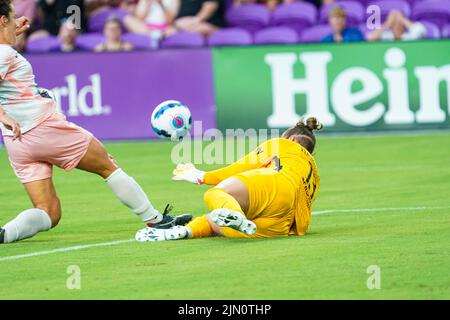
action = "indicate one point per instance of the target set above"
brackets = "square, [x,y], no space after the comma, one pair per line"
[304,130]
[5,8]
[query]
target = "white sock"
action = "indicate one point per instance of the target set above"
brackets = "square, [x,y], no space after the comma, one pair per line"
[26,225]
[189,232]
[131,194]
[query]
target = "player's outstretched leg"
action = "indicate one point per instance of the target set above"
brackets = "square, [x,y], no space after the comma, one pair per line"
[205,226]
[197,228]
[226,212]
[226,202]
[25,225]
[155,235]
[126,189]
[232,219]
[129,192]
[45,214]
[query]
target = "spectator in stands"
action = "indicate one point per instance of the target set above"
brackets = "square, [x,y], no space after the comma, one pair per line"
[53,13]
[341,33]
[68,34]
[398,27]
[322,2]
[95,6]
[153,17]
[129,5]
[24,8]
[113,34]
[203,16]
[317,3]
[271,4]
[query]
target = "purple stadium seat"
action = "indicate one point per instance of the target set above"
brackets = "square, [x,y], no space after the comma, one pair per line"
[139,41]
[316,33]
[276,35]
[44,44]
[433,31]
[365,3]
[435,11]
[412,2]
[89,41]
[230,37]
[183,40]
[251,17]
[297,15]
[387,6]
[97,21]
[355,12]
[446,31]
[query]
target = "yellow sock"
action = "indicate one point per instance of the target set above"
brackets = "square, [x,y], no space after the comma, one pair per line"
[216,198]
[200,228]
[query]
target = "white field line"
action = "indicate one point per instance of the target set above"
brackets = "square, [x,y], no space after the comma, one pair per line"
[317,213]
[75,248]
[113,243]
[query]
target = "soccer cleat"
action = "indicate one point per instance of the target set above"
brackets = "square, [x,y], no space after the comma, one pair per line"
[169,221]
[2,235]
[232,219]
[155,235]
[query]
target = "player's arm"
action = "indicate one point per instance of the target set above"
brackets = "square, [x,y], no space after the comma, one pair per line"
[207,11]
[188,172]
[253,160]
[10,124]
[5,119]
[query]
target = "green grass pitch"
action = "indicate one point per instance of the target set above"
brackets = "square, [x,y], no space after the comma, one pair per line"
[409,244]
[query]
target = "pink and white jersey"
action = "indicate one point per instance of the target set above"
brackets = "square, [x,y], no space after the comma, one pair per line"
[19,94]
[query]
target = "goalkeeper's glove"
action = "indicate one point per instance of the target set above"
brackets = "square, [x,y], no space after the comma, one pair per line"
[188,172]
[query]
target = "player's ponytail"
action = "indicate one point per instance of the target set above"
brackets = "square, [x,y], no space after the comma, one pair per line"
[304,132]
[311,123]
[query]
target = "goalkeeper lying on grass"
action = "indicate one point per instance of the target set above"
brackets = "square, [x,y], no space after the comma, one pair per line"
[267,193]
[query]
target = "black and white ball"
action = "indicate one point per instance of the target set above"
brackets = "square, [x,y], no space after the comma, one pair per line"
[171,120]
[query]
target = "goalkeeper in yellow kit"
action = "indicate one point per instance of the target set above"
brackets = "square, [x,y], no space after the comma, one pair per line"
[267,193]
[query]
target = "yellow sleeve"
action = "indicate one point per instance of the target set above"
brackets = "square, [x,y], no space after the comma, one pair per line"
[254,160]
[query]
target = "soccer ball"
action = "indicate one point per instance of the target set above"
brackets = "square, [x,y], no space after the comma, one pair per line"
[171,120]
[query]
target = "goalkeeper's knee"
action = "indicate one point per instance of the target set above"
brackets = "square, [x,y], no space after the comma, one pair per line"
[216,198]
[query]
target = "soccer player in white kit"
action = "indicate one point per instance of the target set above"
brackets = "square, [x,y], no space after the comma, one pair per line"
[37,136]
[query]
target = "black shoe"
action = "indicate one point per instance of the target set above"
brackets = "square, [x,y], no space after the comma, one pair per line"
[169,221]
[2,235]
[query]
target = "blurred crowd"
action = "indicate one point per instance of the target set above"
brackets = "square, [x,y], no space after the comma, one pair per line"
[158,19]
[155,18]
